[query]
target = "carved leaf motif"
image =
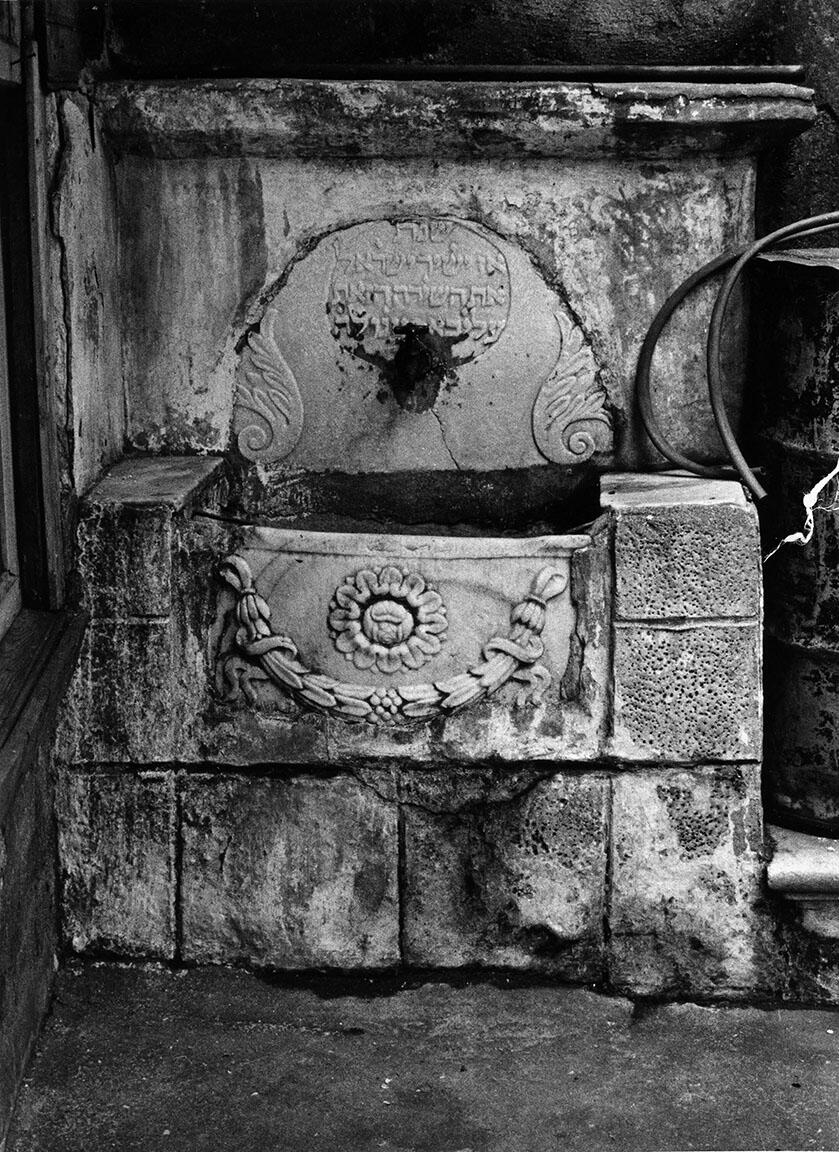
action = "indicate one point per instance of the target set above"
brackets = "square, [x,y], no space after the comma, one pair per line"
[269,408]
[570,420]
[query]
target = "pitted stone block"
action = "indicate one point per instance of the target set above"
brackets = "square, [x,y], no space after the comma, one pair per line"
[686,882]
[116,833]
[517,883]
[698,561]
[687,693]
[298,873]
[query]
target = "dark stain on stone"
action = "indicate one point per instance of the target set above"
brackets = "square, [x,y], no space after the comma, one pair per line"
[422,364]
[370,883]
[253,259]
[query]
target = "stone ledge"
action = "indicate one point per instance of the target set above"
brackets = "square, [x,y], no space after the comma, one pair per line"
[632,491]
[432,117]
[805,870]
[155,481]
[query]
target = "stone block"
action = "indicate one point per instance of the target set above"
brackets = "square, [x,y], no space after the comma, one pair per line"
[125,561]
[121,702]
[687,692]
[699,561]
[117,861]
[687,869]
[83,336]
[289,873]
[517,883]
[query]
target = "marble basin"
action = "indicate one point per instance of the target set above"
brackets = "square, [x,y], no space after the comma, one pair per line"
[389,629]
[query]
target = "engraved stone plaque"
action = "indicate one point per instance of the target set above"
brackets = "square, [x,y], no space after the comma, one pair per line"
[439,275]
[426,343]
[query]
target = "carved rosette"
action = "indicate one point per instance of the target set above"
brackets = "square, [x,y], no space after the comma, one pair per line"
[387,618]
[570,419]
[268,413]
[259,653]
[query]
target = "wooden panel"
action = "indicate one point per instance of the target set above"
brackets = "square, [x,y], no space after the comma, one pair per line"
[37,658]
[22,204]
[9,568]
[10,70]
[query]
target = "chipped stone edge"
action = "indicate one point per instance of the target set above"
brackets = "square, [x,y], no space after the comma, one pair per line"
[433,117]
[804,870]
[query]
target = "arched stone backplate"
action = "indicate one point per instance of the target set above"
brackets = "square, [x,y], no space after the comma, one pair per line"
[427,343]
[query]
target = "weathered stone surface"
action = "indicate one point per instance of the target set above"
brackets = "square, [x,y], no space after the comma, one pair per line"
[687,562]
[263,40]
[83,345]
[483,575]
[289,873]
[634,492]
[391,628]
[802,727]
[797,330]
[122,704]
[426,343]
[125,534]
[125,562]
[187,322]
[116,832]
[516,883]
[27,914]
[686,883]
[802,864]
[142,670]
[175,483]
[375,118]
[689,692]
[145,691]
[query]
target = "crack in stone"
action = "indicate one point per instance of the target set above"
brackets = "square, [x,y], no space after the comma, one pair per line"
[436,416]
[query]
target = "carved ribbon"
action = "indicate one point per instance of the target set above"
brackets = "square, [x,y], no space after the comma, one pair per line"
[264,654]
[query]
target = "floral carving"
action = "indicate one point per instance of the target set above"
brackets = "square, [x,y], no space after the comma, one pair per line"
[570,419]
[259,653]
[269,409]
[387,618]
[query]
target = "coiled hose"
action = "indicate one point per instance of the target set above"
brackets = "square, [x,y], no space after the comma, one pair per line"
[735,262]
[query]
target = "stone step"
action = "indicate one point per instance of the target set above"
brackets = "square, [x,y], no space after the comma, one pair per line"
[805,869]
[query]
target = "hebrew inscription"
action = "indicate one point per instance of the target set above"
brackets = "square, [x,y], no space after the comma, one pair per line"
[438,276]
[417,345]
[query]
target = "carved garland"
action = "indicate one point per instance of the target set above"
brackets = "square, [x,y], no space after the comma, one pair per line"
[264,654]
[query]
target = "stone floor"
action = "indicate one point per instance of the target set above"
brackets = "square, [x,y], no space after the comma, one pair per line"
[140,1060]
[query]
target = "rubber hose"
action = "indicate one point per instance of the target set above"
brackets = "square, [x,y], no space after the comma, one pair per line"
[808,227]
[739,258]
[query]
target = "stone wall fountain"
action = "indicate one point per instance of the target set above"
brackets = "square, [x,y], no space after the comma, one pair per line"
[401,650]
